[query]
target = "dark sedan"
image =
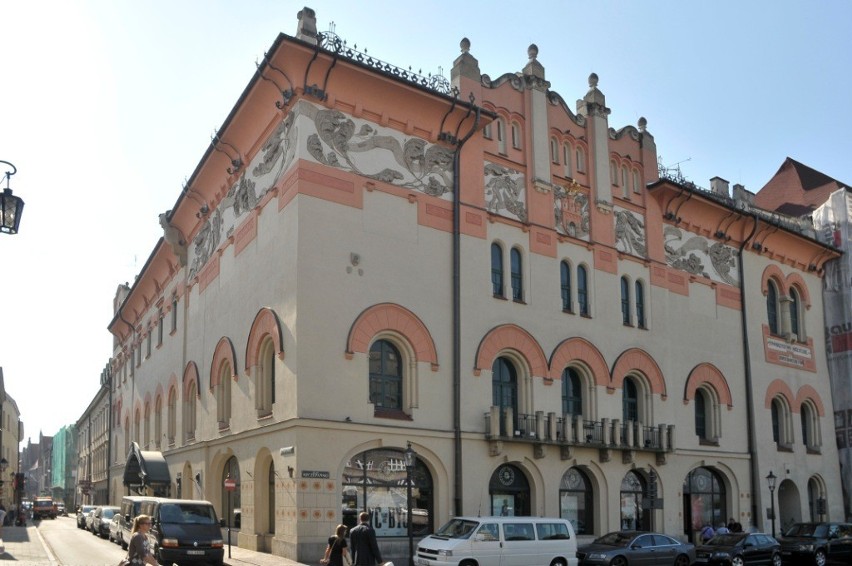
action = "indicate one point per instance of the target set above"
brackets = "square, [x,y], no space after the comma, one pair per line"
[739,549]
[626,548]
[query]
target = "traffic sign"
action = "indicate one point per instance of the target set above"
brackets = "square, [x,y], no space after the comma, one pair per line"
[230,485]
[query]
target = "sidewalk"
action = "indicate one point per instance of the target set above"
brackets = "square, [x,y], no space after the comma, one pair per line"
[245,557]
[25,546]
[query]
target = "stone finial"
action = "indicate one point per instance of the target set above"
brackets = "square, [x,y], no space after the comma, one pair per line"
[643,123]
[307,27]
[532,51]
[465,45]
[593,81]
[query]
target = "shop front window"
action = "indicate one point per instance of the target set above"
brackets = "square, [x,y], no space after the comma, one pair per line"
[510,492]
[575,501]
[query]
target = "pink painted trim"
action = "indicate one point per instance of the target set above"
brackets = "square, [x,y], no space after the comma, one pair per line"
[190,375]
[780,388]
[511,337]
[579,350]
[209,273]
[639,360]
[710,374]
[224,352]
[246,233]
[808,392]
[265,324]
[389,316]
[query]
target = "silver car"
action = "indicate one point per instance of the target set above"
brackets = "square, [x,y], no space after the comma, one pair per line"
[623,548]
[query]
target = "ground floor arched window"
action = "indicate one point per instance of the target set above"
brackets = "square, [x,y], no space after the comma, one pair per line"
[703,501]
[634,517]
[509,491]
[231,498]
[576,500]
[375,481]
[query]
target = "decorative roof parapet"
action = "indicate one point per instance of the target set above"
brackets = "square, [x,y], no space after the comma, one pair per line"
[332,42]
[556,99]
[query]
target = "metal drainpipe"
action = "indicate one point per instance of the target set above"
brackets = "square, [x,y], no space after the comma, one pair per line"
[457,499]
[755,481]
[109,430]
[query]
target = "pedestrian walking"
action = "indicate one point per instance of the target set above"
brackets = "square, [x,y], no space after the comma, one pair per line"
[365,549]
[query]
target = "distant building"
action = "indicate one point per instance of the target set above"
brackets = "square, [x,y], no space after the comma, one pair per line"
[36,464]
[64,466]
[11,430]
[799,189]
[93,445]
[366,259]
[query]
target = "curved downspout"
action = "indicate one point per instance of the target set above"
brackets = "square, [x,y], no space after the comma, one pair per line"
[457,498]
[752,442]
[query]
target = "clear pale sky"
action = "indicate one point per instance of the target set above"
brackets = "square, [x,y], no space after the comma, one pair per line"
[107,106]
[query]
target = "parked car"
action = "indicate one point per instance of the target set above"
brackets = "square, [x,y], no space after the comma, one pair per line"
[623,548]
[101,519]
[60,509]
[115,529]
[82,513]
[739,549]
[90,518]
[817,543]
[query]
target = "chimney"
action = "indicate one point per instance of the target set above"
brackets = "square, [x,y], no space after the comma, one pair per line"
[307,28]
[719,186]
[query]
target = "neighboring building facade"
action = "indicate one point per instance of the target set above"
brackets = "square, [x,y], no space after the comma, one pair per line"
[36,460]
[91,467]
[64,466]
[362,261]
[797,188]
[11,430]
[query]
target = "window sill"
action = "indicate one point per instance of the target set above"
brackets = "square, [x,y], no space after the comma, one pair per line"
[396,414]
[519,301]
[781,447]
[568,311]
[586,315]
[708,442]
[224,426]
[814,450]
[627,324]
[265,414]
[501,297]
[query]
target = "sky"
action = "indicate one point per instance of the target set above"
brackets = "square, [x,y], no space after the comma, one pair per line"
[107,106]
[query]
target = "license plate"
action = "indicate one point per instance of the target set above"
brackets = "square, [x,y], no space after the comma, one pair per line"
[422,562]
[195,552]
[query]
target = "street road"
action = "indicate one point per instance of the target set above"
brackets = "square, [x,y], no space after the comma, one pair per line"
[75,547]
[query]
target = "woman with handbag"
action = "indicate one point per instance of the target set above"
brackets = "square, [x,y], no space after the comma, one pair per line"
[139,549]
[336,553]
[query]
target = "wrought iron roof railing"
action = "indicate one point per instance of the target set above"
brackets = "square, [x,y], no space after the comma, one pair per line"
[332,42]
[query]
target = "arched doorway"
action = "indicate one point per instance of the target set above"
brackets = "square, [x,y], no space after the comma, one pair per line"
[510,492]
[576,501]
[231,499]
[634,517]
[704,501]
[375,481]
[789,505]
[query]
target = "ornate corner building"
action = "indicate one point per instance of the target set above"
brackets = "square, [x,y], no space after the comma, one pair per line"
[366,257]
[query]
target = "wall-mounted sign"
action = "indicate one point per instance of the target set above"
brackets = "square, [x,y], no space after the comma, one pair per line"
[315,475]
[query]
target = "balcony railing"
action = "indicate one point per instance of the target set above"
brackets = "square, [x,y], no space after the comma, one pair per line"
[574,430]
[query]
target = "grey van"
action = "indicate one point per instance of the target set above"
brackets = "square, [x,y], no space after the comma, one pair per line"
[131,505]
[184,531]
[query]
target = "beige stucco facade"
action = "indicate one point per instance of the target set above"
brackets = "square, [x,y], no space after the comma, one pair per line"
[320,223]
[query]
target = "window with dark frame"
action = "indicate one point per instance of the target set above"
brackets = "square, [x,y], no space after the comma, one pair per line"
[497,270]
[565,283]
[385,375]
[517,275]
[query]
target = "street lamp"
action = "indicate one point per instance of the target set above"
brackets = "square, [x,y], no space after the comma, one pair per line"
[770,479]
[10,205]
[410,459]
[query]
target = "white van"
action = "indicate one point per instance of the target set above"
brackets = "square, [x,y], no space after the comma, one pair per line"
[500,541]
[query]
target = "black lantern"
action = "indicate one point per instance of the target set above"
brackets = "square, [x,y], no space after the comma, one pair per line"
[410,459]
[11,206]
[770,479]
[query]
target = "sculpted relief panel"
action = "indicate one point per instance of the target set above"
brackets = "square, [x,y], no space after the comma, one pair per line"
[630,232]
[571,210]
[505,192]
[700,256]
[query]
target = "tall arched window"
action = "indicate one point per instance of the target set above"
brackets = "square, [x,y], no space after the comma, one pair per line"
[137,430]
[172,427]
[807,432]
[385,376]
[509,490]
[147,427]
[636,184]
[501,136]
[630,401]
[554,151]
[640,304]
[189,410]
[701,414]
[772,307]
[504,392]
[572,392]
[566,158]
[794,315]
[576,501]
[265,383]
[625,301]
[704,501]
[223,396]
[158,422]
[581,160]
[270,504]
[516,135]
[230,500]
[633,514]
[497,270]
[776,421]
[517,275]
[583,290]
[565,285]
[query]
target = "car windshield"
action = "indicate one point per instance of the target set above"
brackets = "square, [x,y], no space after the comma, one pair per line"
[813,530]
[187,514]
[108,513]
[457,528]
[725,540]
[616,539]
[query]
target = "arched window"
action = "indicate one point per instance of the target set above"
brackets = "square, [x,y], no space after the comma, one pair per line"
[385,376]
[776,421]
[576,501]
[497,270]
[630,401]
[265,397]
[636,183]
[566,158]
[486,131]
[640,305]
[782,431]
[581,160]
[172,427]
[572,392]
[147,427]
[704,501]
[509,490]
[633,516]
[554,150]
[158,422]
[811,436]
[231,500]
[583,290]
[189,411]
[613,173]
[701,414]
[565,284]
[772,308]
[137,430]
[625,301]
[517,275]
[625,182]
[795,304]
[373,481]
[516,135]
[501,136]
[223,396]
[270,504]
[504,392]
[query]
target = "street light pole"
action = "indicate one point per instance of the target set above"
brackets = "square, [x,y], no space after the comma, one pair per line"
[770,479]
[410,459]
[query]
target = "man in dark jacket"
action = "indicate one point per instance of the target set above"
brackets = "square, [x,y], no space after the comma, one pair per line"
[362,540]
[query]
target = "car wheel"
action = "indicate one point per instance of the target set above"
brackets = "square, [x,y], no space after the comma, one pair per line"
[737,561]
[558,562]
[123,544]
[776,560]
[682,560]
[618,561]
[819,558]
